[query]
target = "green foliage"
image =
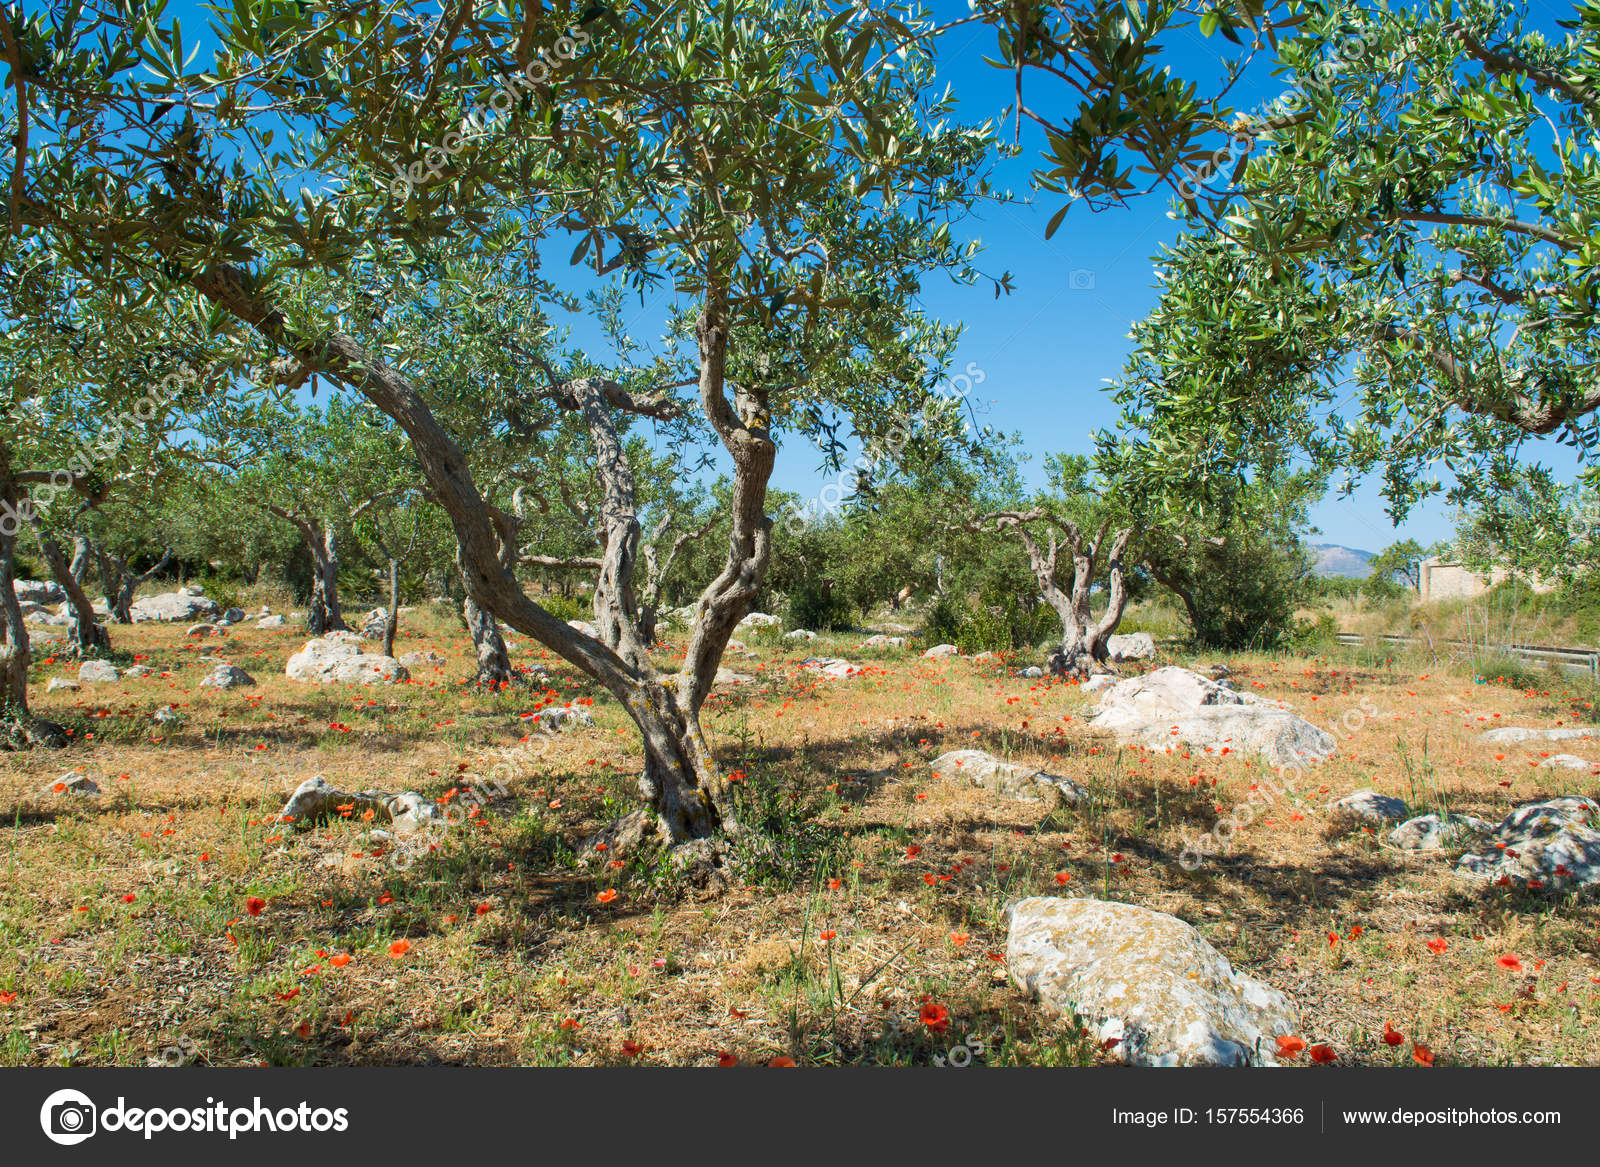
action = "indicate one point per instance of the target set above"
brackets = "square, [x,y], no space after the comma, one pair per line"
[820,608]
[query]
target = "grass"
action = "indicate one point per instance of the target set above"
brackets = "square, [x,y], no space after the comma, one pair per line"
[511,958]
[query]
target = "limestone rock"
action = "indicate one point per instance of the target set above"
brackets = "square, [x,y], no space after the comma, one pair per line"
[1568,762]
[226,676]
[759,620]
[185,604]
[1098,683]
[317,799]
[800,634]
[939,651]
[881,641]
[1516,733]
[729,677]
[270,622]
[1432,832]
[135,672]
[38,591]
[61,685]
[1174,706]
[1374,807]
[372,625]
[563,717]
[98,672]
[584,627]
[337,659]
[421,660]
[1554,844]
[72,782]
[231,616]
[1146,980]
[1032,672]
[1134,646]
[999,777]
[831,667]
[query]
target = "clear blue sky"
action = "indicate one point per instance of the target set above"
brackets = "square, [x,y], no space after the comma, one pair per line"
[1047,348]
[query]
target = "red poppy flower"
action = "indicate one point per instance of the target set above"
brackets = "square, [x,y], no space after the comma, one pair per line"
[482,909]
[632,1048]
[1322,1053]
[1391,1035]
[1062,877]
[1290,1046]
[1438,945]
[608,895]
[254,905]
[399,948]
[725,1059]
[829,934]
[340,960]
[1510,962]
[935,1017]
[782,1062]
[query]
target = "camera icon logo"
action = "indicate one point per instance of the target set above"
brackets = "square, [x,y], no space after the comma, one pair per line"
[1081,279]
[68,1117]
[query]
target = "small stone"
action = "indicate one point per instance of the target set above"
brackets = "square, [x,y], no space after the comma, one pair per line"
[226,676]
[1019,782]
[1431,832]
[61,685]
[72,782]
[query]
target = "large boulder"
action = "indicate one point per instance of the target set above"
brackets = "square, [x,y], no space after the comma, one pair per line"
[98,672]
[38,591]
[1145,981]
[1133,646]
[337,659]
[1019,782]
[942,650]
[173,606]
[1554,844]
[1174,706]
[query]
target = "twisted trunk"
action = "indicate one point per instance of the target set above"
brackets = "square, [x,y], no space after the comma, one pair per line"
[19,728]
[323,613]
[494,663]
[121,582]
[680,782]
[88,634]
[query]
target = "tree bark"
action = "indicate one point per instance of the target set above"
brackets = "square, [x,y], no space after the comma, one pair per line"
[680,782]
[494,663]
[88,634]
[121,582]
[323,613]
[391,622]
[19,728]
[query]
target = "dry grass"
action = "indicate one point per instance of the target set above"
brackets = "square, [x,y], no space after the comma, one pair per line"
[513,958]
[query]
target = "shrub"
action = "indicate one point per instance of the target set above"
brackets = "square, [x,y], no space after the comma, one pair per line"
[819,608]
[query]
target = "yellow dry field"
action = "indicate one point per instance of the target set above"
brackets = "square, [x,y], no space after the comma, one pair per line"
[866,887]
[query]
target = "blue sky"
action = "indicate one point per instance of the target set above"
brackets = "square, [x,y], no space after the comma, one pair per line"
[1047,348]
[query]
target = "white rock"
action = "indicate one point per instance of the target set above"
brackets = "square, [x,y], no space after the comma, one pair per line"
[729,677]
[60,685]
[192,590]
[270,622]
[797,634]
[1430,832]
[999,777]
[173,606]
[1174,706]
[563,717]
[1556,843]
[584,627]
[759,620]
[98,672]
[1098,683]
[135,672]
[942,650]
[38,591]
[735,646]
[226,676]
[1133,646]
[231,616]
[1513,733]
[166,715]
[72,782]
[1032,672]
[373,624]
[831,667]
[882,641]
[985,655]
[1568,762]
[421,660]
[337,659]
[1374,807]
[1145,979]
[316,799]
[205,630]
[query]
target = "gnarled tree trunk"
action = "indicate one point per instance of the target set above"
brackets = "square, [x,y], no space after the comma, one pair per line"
[120,582]
[88,634]
[685,793]
[18,726]
[1083,639]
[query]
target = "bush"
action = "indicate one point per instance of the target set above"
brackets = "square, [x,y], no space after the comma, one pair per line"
[989,623]
[819,609]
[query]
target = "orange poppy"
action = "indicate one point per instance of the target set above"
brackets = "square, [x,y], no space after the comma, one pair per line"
[399,948]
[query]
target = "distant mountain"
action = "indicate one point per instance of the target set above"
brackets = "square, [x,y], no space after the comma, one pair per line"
[1348,562]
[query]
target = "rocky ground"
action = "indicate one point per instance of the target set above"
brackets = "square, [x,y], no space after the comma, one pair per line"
[945,862]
